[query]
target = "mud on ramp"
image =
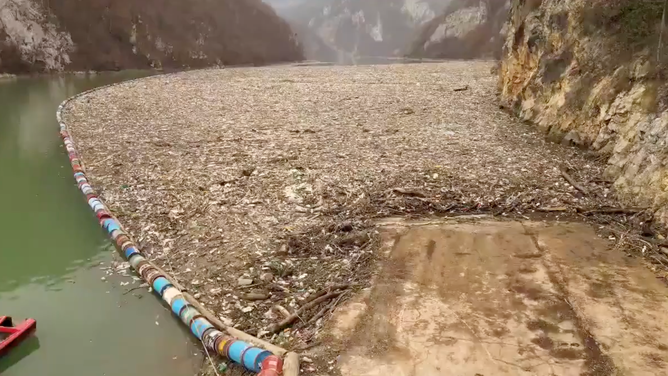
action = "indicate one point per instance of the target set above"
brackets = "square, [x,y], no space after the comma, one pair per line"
[505,298]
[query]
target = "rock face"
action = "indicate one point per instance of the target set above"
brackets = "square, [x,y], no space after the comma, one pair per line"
[57,35]
[347,30]
[467,29]
[590,73]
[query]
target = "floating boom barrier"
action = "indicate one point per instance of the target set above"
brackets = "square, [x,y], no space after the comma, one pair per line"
[250,357]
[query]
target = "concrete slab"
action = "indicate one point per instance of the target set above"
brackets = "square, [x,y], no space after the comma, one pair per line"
[491,298]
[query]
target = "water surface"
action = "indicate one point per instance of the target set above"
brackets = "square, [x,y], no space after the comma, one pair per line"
[54,258]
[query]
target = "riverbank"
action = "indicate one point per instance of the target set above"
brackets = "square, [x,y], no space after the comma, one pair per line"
[257,187]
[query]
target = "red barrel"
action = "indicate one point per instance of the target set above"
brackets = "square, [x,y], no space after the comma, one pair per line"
[271,366]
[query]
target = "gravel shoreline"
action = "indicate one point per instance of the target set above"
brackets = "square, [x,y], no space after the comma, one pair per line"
[257,187]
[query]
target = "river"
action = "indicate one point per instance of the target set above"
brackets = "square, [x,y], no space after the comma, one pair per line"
[54,259]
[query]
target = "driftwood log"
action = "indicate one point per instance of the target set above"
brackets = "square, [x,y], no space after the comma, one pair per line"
[572,182]
[291,364]
[289,320]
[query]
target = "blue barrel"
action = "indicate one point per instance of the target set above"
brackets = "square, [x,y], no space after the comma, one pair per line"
[263,355]
[129,252]
[111,225]
[160,284]
[253,357]
[236,350]
[188,314]
[199,326]
[177,305]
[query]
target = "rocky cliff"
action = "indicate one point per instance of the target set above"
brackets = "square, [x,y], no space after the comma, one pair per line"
[593,73]
[56,35]
[347,30]
[467,29]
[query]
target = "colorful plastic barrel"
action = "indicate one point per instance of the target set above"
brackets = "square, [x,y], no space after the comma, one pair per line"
[236,349]
[135,260]
[115,234]
[252,358]
[271,366]
[111,225]
[226,347]
[262,356]
[124,246]
[210,337]
[141,269]
[150,275]
[188,314]
[130,251]
[122,239]
[221,342]
[102,214]
[170,294]
[95,204]
[160,284]
[177,305]
[199,326]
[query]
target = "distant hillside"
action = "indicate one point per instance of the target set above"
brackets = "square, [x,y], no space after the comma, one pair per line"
[466,29]
[56,35]
[350,29]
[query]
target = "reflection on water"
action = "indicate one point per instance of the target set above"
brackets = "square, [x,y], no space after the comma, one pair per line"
[52,256]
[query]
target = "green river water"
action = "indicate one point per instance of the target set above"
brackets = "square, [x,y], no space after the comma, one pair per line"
[53,256]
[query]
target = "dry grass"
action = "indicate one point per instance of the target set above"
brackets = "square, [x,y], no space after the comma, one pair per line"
[239,172]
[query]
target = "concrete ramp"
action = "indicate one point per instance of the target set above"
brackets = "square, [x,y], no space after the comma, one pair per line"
[505,298]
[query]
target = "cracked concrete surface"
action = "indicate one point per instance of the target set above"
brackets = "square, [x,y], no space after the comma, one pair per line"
[505,298]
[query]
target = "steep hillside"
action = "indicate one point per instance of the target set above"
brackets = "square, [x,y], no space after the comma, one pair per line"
[56,35]
[356,28]
[466,29]
[593,73]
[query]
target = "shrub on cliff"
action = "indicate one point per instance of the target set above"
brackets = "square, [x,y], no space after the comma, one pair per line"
[628,30]
[631,26]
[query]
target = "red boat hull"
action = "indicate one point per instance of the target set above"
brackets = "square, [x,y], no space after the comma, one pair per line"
[11,336]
